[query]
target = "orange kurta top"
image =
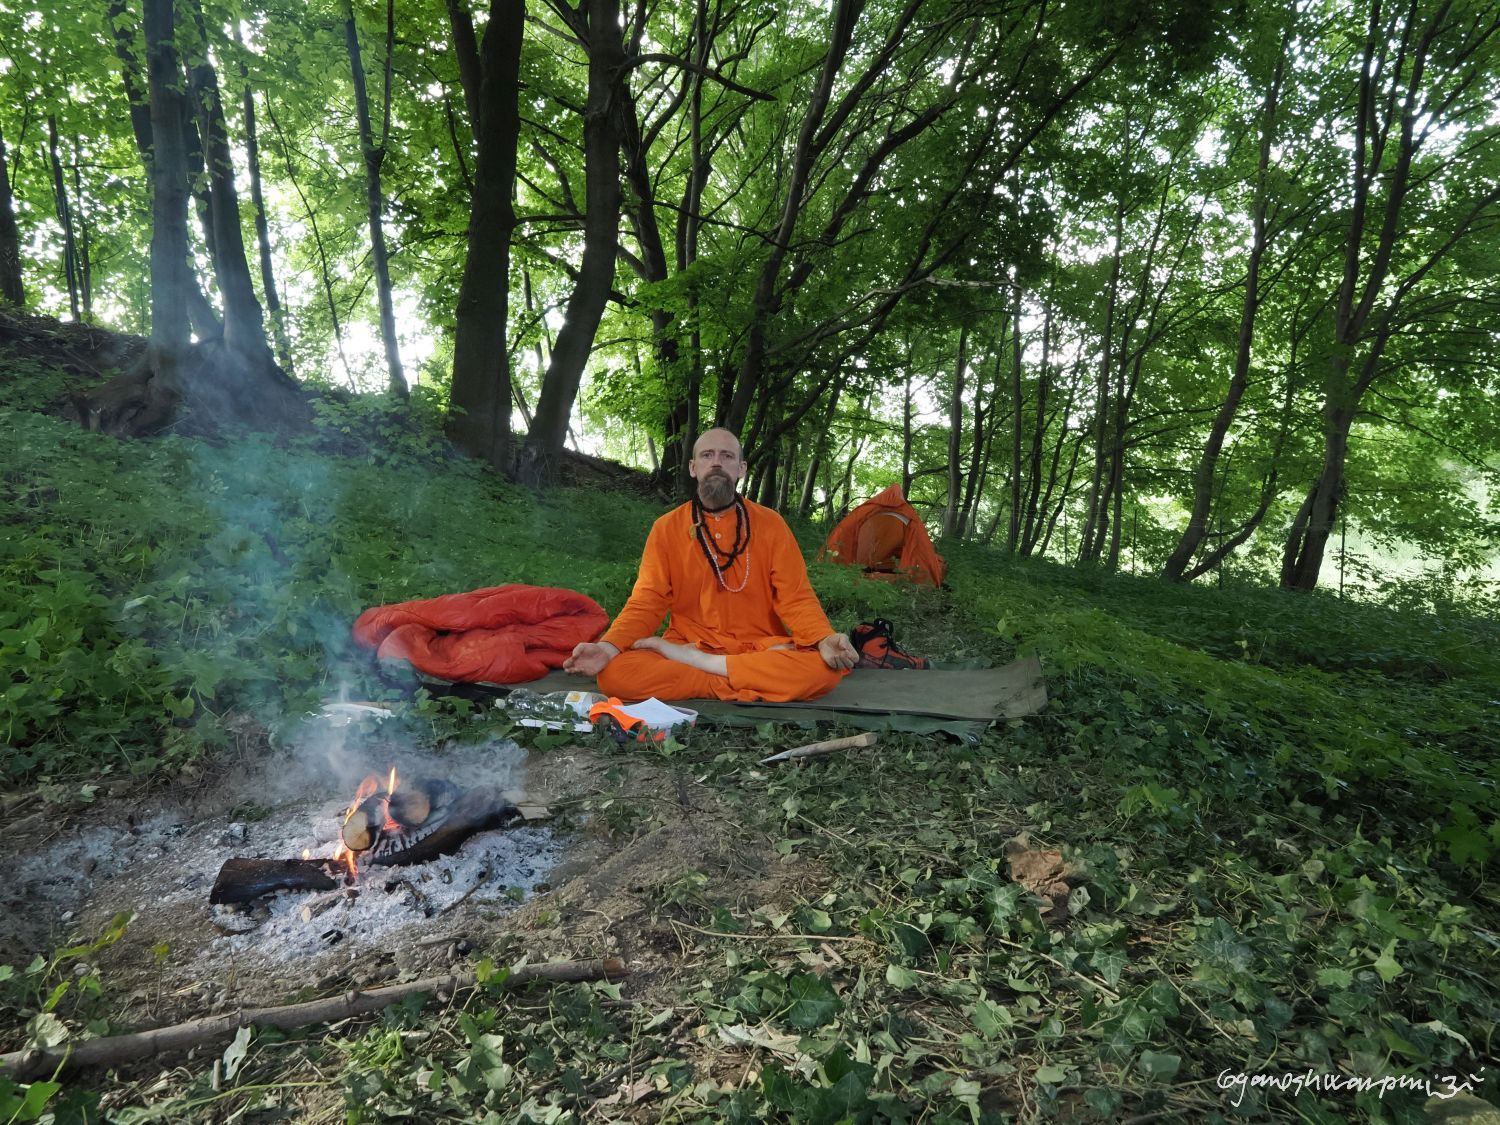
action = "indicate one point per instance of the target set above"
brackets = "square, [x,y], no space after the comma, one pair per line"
[777,604]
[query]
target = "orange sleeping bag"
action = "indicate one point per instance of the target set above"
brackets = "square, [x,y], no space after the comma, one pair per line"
[498,635]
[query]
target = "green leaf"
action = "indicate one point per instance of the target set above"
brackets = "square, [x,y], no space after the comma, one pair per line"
[1160,1066]
[1052,1075]
[24,1103]
[814,1003]
[990,1019]
[899,977]
[46,1031]
[1387,965]
[1335,978]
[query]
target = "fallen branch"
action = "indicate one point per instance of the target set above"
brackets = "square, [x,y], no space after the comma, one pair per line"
[26,1066]
[869,738]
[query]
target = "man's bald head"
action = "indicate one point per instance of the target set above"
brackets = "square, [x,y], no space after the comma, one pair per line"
[718,438]
[718,464]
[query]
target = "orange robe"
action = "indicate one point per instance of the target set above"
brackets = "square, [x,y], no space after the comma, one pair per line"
[777,606]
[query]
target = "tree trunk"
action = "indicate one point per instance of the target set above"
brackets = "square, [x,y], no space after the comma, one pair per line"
[171,276]
[244,325]
[325,277]
[228,380]
[1203,475]
[262,226]
[374,157]
[906,436]
[1013,528]
[12,288]
[819,449]
[64,216]
[1038,435]
[683,421]
[956,437]
[599,27]
[85,262]
[1091,539]
[1382,106]
[766,298]
[480,398]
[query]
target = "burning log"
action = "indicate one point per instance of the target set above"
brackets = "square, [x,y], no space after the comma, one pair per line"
[363,824]
[478,810]
[245,880]
[412,803]
[443,833]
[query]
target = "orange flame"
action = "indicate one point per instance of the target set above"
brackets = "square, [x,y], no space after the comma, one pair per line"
[349,860]
[307,853]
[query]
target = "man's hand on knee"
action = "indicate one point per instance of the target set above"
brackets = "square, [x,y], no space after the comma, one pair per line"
[837,651]
[590,657]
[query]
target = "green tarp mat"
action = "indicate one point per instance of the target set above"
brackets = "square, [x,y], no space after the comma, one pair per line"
[904,700]
[975,694]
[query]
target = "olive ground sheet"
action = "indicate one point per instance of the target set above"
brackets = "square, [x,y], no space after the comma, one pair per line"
[960,701]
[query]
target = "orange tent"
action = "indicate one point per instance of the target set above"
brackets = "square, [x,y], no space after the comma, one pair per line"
[886,537]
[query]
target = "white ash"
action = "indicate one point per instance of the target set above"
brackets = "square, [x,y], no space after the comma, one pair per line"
[161,868]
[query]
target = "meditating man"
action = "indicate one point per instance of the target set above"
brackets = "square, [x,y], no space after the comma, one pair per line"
[745,624]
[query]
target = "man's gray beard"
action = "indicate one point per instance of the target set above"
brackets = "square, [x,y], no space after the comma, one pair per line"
[716,491]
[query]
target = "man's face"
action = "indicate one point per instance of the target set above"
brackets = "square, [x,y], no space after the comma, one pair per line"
[717,466]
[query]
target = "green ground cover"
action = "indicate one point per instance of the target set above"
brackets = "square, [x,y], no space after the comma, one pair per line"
[1286,806]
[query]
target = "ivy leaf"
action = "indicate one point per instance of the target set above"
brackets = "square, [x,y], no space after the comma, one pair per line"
[1335,978]
[814,1002]
[1159,1065]
[1386,965]
[25,1103]
[898,977]
[989,1018]
[234,1054]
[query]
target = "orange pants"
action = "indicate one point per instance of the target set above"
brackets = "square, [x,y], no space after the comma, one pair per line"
[773,676]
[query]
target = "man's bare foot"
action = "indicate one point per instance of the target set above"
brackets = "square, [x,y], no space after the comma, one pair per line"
[714,665]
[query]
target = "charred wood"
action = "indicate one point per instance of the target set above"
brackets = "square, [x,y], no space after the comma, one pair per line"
[245,880]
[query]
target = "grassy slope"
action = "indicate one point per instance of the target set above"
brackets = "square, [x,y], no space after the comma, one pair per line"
[1287,805]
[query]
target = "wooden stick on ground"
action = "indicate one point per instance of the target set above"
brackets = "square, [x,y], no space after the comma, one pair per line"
[25,1066]
[869,738]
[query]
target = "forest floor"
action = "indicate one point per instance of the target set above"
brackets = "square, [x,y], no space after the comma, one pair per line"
[1284,809]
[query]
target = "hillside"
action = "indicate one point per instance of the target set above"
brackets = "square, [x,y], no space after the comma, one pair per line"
[1284,804]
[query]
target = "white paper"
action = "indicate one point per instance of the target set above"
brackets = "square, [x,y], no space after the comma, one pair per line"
[658,715]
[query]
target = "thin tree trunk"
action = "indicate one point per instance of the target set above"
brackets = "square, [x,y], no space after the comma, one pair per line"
[906,437]
[262,225]
[479,420]
[599,25]
[765,299]
[324,274]
[1013,529]
[1042,529]
[64,216]
[1038,434]
[1203,475]
[374,157]
[85,262]
[1093,530]
[12,287]
[956,437]
[819,449]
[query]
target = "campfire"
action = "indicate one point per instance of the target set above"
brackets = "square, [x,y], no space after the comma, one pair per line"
[389,823]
